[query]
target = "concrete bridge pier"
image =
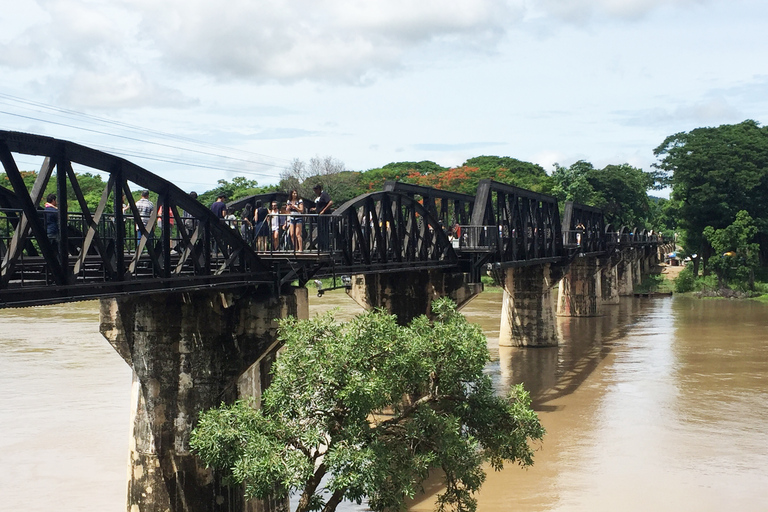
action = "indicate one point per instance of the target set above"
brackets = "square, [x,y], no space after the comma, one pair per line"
[190,352]
[409,294]
[580,289]
[609,279]
[637,269]
[625,269]
[528,309]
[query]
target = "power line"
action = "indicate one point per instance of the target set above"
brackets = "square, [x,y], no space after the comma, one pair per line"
[138,140]
[131,127]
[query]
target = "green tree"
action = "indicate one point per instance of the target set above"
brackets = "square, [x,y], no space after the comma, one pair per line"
[572,184]
[239,187]
[366,409]
[512,171]
[735,255]
[341,184]
[714,173]
[374,179]
[620,190]
[91,185]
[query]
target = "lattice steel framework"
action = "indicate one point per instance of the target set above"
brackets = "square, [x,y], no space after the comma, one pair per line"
[389,231]
[91,256]
[584,228]
[517,226]
[449,208]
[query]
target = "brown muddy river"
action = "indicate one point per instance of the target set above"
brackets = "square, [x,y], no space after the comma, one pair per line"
[660,405]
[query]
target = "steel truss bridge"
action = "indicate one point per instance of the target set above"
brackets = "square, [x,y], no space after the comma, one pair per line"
[111,250]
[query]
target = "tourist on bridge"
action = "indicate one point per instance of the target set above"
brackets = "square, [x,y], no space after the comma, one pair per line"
[261,229]
[171,218]
[295,205]
[144,206]
[323,204]
[276,223]
[52,220]
[189,220]
[246,223]
[219,207]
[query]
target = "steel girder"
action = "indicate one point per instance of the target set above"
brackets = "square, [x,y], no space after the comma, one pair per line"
[389,230]
[91,255]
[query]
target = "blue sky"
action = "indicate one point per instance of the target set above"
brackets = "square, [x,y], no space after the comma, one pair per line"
[200,90]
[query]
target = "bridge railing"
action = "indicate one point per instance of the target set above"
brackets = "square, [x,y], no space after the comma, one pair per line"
[283,234]
[584,228]
[477,238]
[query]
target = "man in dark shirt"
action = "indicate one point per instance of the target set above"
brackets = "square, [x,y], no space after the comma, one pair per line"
[52,220]
[322,201]
[322,207]
[219,206]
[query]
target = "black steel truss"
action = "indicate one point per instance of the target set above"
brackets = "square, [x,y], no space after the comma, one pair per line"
[112,250]
[92,246]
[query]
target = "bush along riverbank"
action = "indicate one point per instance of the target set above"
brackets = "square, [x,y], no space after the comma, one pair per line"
[710,286]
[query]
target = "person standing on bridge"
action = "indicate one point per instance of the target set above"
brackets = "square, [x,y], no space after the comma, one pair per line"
[294,206]
[322,207]
[262,229]
[276,223]
[145,207]
[219,207]
[52,220]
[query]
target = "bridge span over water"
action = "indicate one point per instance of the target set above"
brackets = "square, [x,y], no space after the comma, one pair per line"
[190,301]
[403,227]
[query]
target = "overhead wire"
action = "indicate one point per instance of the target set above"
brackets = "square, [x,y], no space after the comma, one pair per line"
[139,129]
[156,158]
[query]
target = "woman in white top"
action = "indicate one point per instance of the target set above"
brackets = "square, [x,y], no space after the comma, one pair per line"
[295,205]
[274,222]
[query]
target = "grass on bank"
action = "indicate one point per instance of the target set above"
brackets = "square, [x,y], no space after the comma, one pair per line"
[683,283]
[655,283]
[708,286]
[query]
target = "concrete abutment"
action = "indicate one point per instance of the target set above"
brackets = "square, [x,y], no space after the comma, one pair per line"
[580,289]
[409,294]
[528,309]
[190,352]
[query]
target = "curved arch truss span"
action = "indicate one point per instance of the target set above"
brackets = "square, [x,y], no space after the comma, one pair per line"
[117,246]
[390,231]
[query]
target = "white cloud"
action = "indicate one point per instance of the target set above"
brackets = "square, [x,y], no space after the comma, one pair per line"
[119,90]
[583,11]
[329,40]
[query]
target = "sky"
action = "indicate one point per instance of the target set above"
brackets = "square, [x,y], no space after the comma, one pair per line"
[196,91]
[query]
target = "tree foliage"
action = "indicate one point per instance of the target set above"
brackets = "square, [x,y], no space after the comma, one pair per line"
[715,173]
[366,409]
[340,183]
[91,185]
[620,190]
[736,255]
[239,187]
[511,171]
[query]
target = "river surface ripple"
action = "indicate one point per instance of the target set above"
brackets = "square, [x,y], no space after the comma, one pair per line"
[660,404]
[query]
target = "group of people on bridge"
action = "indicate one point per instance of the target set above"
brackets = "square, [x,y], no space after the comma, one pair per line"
[292,226]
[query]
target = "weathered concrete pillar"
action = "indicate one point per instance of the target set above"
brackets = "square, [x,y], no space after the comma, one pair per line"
[609,280]
[410,294]
[646,264]
[188,352]
[579,293]
[637,270]
[624,270]
[528,309]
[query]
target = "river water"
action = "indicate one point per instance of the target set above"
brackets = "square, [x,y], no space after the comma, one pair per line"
[661,404]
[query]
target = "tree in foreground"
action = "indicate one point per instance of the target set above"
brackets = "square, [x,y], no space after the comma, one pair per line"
[367,409]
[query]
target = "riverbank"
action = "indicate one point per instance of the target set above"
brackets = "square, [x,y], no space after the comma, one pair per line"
[702,287]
